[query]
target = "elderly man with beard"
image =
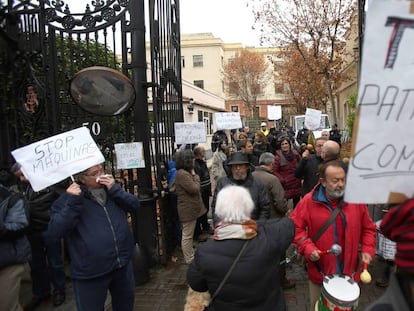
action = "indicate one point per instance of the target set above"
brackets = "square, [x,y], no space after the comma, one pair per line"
[352,228]
[240,175]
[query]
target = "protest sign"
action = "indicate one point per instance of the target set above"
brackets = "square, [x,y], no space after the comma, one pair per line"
[274,112]
[49,161]
[129,155]
[227,120]
[190,133]
[312,119]
[382,163]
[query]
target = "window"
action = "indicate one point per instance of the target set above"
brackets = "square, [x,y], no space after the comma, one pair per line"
[235,108]
[199,83]
[207,118]
[197,60]
[182,62]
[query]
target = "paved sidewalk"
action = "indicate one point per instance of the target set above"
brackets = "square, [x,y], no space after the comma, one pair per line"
[167,288]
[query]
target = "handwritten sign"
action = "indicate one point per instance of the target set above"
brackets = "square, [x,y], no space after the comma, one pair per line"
[190,132]
[312,119]
[53,159]
[227,120]
[274,112]
[381,169]
[129,155]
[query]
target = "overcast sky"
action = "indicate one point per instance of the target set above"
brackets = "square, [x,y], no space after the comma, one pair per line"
[230,20]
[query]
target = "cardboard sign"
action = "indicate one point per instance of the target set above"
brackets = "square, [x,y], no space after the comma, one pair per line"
[227,120]
[381,169]
[190,133]
[51,160]
[129,155]
[274,112]
[312,119]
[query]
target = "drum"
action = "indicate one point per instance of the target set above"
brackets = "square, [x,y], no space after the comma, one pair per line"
[338,293]
[385,247]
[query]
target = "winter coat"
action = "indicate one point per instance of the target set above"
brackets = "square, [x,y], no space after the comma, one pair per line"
[98,237]
[217,166]
[14,246]
[259,148]
[392,300]
[274,190]
[189,201]
[285,171]
[201,169]
[308,170]
[254,282]
[256,189]
[358,235]
[40,203]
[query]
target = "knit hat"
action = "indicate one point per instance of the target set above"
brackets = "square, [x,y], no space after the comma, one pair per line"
[398,226]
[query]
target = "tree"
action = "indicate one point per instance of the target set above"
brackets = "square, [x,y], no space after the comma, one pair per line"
[245,77]
[305,85]
[315,29]
[351,103]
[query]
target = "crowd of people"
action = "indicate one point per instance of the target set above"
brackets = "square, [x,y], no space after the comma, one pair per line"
[264,193]
[297,191]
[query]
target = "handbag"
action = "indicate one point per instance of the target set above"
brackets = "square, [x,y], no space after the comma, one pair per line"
[227,274]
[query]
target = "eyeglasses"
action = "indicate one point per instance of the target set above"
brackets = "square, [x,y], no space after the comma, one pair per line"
[95,173]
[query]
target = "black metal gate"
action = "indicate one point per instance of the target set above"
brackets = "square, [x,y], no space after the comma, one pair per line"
[44,43]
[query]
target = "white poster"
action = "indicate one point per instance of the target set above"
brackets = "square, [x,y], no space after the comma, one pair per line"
[227,120]
[53,159]
[190,132]
[312,119]
[274,112]
[129,155]
[381,169]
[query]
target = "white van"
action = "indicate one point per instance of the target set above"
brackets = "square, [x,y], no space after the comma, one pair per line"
[298,121]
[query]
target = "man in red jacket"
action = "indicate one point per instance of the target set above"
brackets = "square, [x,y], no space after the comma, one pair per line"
[352,228]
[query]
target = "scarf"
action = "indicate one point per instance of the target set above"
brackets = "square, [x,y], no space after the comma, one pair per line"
[99,195]
[245,230]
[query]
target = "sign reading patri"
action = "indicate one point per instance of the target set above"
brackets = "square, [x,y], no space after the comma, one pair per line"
[190,132]
[49,161]
[227,120]
[312,119]
[381,169]
[129,155]
[274,112]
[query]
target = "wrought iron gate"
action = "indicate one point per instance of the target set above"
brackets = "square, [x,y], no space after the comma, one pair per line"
[44,43]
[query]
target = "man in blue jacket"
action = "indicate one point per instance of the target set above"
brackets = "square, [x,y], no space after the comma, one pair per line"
[91,215]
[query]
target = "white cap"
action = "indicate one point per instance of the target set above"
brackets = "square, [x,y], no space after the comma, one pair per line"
[263,124]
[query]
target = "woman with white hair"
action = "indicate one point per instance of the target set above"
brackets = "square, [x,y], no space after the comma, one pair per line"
[253,284]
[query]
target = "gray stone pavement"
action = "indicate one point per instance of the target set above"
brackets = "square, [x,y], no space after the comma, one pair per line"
[167,288]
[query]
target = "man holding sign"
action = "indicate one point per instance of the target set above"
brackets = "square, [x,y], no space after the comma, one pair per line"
[91,215]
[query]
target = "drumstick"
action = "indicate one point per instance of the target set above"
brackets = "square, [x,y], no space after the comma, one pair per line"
[365,275]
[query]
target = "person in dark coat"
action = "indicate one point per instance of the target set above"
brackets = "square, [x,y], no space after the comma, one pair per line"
[308,167]
[398,226]
[335,135]
[278,202]
[254,282]
[92,216]
[202,229]
[14,247]
[240,175]
[46,264]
